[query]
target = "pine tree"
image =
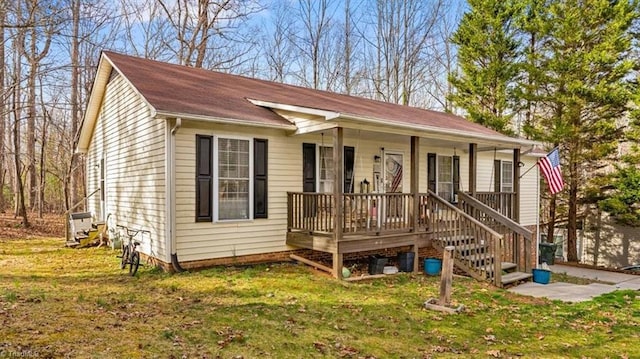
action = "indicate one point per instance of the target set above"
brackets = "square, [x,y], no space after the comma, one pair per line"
[487,60]
[582,74]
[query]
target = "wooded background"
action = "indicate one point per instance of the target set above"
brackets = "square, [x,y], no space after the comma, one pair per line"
[560,71]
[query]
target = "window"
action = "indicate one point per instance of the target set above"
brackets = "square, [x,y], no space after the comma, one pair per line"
[443,175]
[503,176]
[325,182]
[233,179]
[239,178]
[319,175]
[507,177]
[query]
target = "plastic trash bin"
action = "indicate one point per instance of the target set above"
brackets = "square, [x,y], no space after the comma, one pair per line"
[546,253]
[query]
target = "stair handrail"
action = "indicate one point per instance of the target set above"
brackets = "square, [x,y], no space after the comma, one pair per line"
[494,247]
[464,214]
[66,213]
[497,216]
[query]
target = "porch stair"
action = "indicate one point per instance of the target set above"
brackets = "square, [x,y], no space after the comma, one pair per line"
[476,260]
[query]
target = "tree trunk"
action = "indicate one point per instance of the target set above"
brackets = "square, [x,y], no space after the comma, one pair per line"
[572,240]
[73,179]
[551,226]
[2,107]
[43,143]
[31,134]
[21,209]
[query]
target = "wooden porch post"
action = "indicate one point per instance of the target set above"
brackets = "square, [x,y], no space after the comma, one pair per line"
[516,185]
[473,167]
[338,180]
[415,190]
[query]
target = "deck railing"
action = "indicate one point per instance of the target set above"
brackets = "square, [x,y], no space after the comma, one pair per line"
[501,202]
[517,240]
[476,244]
[363,213]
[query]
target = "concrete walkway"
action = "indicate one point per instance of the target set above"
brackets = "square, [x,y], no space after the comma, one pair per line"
[568,292]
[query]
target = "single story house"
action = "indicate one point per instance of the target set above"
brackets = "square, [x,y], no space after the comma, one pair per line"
[222,168]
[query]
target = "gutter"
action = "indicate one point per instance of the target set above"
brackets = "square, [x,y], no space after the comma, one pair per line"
[444,131]
[229,121]
[171,198]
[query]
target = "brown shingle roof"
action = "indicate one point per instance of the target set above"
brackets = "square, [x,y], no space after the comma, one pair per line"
[176,89]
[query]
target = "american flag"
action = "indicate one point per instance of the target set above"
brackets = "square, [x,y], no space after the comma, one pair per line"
[550,168]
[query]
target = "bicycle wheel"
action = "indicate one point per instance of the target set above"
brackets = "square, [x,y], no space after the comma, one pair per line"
[125,257]
[135,263]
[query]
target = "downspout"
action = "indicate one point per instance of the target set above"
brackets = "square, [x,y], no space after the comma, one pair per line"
[171,208]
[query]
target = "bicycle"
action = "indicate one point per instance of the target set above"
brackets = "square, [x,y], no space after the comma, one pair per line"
[130,254]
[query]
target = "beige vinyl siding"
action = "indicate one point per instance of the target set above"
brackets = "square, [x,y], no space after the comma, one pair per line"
[529,191]
[133,146]
[205,240]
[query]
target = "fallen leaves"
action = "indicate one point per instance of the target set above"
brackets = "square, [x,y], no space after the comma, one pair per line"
[229,335]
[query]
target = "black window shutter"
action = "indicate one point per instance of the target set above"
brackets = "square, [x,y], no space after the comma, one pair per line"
[260,188]
[309,178]
[497,178]
[204,178]
[456,174]
[431,171]
[349,160]
[308,167]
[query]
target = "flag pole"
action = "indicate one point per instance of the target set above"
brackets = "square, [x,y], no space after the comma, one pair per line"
[537,218]
[527,171]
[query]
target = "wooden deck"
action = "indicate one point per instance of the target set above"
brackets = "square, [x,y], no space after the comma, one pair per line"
[357,243]
[483,237]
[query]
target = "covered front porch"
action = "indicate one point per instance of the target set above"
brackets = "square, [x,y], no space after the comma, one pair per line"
[482,225]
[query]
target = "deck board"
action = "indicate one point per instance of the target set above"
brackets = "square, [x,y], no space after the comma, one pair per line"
[357,243]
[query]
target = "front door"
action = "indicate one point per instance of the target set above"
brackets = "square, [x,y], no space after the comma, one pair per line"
[393,178]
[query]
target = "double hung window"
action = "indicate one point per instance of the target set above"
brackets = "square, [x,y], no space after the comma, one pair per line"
[443,175]
[231,178]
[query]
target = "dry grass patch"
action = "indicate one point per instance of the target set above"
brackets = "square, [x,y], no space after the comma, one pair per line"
[57,302]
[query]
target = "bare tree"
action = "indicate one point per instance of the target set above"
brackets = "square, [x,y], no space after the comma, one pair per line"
[145,29]
[34,45]
[75,120]
[43,146]
[3,12]
[437,87]
[399,52]
[20,208]
[277,43]
[316,18]
[197,24]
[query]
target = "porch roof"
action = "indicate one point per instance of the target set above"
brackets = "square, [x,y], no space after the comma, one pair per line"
[179,91]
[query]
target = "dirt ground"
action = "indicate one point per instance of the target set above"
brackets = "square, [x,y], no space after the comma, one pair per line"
[51,225]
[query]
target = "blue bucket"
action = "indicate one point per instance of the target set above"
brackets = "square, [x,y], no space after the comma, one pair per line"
[541,276]
[432,266]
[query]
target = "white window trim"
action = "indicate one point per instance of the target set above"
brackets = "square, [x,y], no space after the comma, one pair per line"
[502,176]
[216,179]
[438,174]
[318,162]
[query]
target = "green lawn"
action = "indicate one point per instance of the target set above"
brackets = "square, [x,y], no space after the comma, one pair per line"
[56,301]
